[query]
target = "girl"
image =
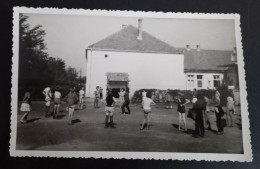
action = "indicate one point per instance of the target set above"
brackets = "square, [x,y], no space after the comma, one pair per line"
[57,102]
[230,110]
[121,96]
[182,101]
[26,106]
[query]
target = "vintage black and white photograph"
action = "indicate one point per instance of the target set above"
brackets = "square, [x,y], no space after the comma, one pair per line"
[139,85]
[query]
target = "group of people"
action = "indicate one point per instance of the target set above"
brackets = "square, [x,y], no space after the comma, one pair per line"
[71,98]
[200,107]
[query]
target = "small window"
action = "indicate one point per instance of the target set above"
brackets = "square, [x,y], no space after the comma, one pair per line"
[199,83]
[216,80]
[199,76]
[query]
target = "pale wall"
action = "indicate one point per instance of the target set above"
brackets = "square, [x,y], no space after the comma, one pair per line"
[146,70]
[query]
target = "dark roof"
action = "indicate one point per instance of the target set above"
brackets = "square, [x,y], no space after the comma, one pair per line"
[126,40]
[206,60]
[111,76]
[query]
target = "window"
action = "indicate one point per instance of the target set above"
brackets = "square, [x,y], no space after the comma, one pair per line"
[199,80]
[190,79]
[216,80]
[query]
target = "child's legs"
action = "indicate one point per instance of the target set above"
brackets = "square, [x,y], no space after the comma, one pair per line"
[145,119]
[180,120]
[148,120]
[184,120]
[24,117]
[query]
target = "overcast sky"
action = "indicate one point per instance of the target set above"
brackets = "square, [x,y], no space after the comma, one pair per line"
[67,36]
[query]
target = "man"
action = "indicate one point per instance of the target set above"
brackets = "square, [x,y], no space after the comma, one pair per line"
[72,100]
[47,93]
[97,96]
[126,102]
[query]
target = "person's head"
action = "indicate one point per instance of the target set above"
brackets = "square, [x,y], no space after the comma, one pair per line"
[72,89]
[144,94]
[122,89]
[57,88]
[109,92]
[97,87]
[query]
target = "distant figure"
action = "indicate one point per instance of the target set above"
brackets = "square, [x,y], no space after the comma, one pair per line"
[57,102]
[81,98]
[121,96]
[146,105]
[97,97]
[72,100]
[101,93]
[47,93]
[26,106]
[206,113]
[182,101]
[109,109]
[126,102]
[168,100]
[230,110]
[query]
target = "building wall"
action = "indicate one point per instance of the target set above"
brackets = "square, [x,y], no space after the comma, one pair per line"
[207,80]
[146,70]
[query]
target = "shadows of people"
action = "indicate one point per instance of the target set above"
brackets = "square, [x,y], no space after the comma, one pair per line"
[32,120]
[76,121]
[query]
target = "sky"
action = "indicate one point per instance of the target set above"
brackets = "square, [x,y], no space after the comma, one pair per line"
[67,36]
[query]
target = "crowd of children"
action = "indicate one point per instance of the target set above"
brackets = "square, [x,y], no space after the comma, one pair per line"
[199,107]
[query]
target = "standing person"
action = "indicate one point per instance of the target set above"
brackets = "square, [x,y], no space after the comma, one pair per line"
[121,96]
[101,93]
[72,100]
[168,100]
[206,113]
[97,97]
[230,111]
[26,106]
[219,113]
[81,98]
[126,102]
[199,107]
[146,105]
[47,93]
[109,109]
[57,102]
[182,101]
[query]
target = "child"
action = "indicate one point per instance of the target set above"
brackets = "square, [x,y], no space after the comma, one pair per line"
[230,107]
[146,105]
[47,93]
[182,101]
[109,109]
[81,98]
[97,96]
[168,100]
[26,106]
[57,102]
[72,100]
[121,96]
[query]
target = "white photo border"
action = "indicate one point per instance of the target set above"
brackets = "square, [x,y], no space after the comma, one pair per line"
[246,157]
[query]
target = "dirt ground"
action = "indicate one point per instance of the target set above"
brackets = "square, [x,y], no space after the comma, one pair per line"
[88,133]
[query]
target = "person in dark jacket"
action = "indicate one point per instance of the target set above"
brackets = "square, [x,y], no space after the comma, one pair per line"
[126,102]
[199,107]
[219,114]
[109,109]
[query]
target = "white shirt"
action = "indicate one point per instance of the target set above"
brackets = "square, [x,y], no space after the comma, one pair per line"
[47,92]
[81,92]
[194,100]
[147,103]
[57,95]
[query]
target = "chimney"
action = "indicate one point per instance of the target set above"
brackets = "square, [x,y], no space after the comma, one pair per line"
[188,47]
[198,47]
[140,37]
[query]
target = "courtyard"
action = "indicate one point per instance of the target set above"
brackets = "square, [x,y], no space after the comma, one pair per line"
[88,133]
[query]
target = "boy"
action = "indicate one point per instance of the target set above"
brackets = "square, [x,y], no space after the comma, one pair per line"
[81,98]
[97,96]
[146,105]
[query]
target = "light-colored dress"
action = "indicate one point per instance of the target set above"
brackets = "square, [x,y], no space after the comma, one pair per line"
[121,97]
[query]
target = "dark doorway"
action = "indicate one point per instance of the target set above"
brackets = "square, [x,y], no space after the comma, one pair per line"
[115,92]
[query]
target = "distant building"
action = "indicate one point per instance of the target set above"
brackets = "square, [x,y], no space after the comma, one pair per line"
[204,68]
[149,62]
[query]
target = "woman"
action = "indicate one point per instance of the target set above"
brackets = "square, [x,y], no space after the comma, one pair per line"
[121,96]
[182,101]
[57,102]
[72,100]
[26,106]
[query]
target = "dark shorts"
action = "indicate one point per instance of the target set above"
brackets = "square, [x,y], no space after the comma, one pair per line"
[147,111]
[57,101]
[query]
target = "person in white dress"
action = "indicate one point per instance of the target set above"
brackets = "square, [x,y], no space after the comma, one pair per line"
[47,93]
[146,105]
[81,98]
